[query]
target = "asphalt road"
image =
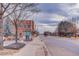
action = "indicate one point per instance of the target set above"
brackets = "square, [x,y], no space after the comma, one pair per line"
[58,46]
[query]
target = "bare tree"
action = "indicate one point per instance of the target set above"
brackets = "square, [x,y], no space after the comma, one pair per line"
[24,11]
[66,28]
[4,8]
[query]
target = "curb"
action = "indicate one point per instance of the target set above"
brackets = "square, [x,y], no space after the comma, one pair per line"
[45,49]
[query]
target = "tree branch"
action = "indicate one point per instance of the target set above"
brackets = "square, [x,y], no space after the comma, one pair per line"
[12,10]
[5,8]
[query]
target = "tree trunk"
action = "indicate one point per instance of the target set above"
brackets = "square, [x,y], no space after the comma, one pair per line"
[1,27]
[16,33]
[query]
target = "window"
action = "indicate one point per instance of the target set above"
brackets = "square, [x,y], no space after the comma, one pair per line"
[26,26]
[29,26]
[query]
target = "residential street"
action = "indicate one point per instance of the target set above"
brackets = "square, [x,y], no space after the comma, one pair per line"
[60,46]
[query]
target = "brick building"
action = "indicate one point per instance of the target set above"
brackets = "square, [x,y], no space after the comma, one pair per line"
[25,25]
[22,26]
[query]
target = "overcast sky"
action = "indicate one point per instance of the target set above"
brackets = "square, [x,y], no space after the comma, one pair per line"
[52,14]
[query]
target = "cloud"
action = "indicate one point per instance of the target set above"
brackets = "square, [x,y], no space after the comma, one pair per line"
[71,9]
[48,18]
[53,13]
[47,21]
[65,9]
[52,8]
[46,27]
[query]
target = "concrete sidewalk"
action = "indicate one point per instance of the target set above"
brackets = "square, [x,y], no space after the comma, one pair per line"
[34,48]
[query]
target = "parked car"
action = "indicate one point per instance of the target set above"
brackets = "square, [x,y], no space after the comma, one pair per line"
[47,33]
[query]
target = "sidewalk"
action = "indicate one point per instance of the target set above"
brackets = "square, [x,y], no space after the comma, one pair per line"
[34,48]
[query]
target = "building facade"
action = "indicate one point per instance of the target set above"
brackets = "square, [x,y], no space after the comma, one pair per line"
[22,27]
[25,25]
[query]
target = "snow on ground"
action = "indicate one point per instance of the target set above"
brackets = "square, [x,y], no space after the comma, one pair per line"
[34,48]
